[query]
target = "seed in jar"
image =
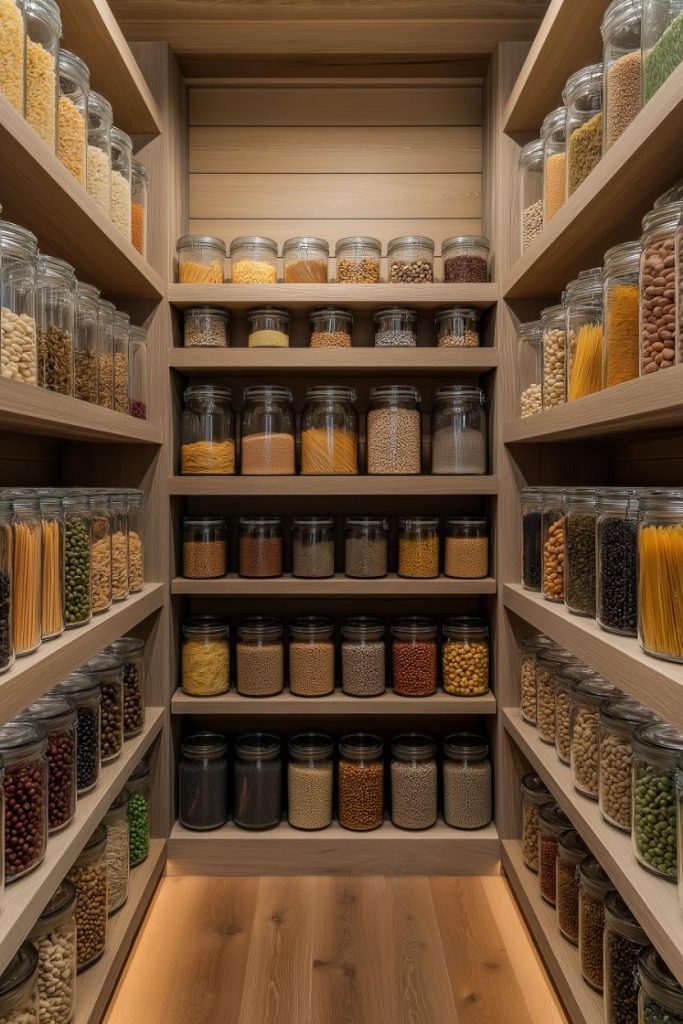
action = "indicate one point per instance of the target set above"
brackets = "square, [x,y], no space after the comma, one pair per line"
[532,223]
[395,339]
[553,561]
[363,271]
[591,929]
[311,668]
[410,271]
[554,374]
[465,667]
[466,557]
[466,794]
[528,688]
[361,795]
[468,339]
[467,268]
[363,668]
[413,794]
[394,441]
[309,795]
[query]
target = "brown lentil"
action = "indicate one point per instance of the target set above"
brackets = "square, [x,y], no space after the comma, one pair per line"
[413,794]
[411,271]
[330,339]
[361,795]
[311,668]
[466,557]
[414,667]
[418,556]
[260,557]
[204,560]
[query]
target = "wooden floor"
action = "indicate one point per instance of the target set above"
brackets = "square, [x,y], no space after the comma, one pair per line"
[330,950]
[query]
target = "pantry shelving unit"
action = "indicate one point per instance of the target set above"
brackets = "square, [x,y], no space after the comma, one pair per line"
[337,586]
[365,362]
[338,703]
[333,487]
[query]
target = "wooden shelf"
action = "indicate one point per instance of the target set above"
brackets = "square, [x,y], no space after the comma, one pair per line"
[39,193]
[356,296]
[288,851]
[652,899]
[32,676]
[24,901]
[336,586]
[657,684]
[331,486]
[561,958]
[609,206]
[286,704]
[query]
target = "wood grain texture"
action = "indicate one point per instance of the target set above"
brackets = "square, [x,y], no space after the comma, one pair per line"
[337,586]
[332,69]
[307,296]
[287,704]
[266,9]
[359,361]
[359,486]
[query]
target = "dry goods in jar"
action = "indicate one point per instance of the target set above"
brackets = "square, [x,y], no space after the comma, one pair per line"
[312,560]
[555,171]
[137,227]
[465,667]
[532,223]
[309,794]
[365,557]
[414,657]
[466,557]
[410,271]
[622,342]
[658,305]
[208,457]
[41,94]
[253,272]
[624,92]
[394,441]
[553,561]
[461,451]
[135,562]
[545,702]
[662,61]
[268,454]
[71,138]
[531,400]
[205,666]
[418,556]
[579,562]
[467,793]
[56,950]
[117,858]
[18,346]
[260,557]
[203,560]
[530,834]
[363,668]
[192,272]
[585,151]
[660,555]
[618,722]
[571,849]
[528,686]
[554,362]
[311,668]
[592,925]
[531,550]
[328,451]
[563,712]
[413,793]
[55,354]
[258,792]
[12,54]
[260,669]
[205,328]
[361,794]
[90,880]
[585,374]
[654,818]
[99,177]
[467,268]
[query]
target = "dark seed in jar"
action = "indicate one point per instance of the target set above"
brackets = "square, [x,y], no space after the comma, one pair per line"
[112,721]
[87,747]
[547,855]
[133,699]
[531,563]
[568,900]
[76,570]
[591,928]
[361,795]
[466,268]
[25,817]
[258,794]
[61,757]
[618,581]
[414,668]
[5,604]
[621,986]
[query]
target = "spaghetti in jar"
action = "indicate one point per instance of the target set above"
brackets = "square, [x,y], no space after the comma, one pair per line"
[660,574]
[201,259]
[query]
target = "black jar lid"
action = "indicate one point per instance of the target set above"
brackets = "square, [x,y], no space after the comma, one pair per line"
[470,744]
[63,897]
[553,820]
[620,919]
[413,746]
[21,967]
[311,744]
[360,746]
[256,745]
[572,846]
[594,879]
[533,785]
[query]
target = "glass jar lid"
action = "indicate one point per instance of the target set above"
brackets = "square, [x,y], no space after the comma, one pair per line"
[395,392]
[61,902]
[551,315]
[127,646]
[465,627]
[418,522]
[19,737]
[624,258]
[626,713]
[305,242]
[331,393]
[22,966]
[376,522]
[359,243]
[594,690]
[253,242]
[451,312]
[118,803]
[210,625]
[363,627]
[308,522]
[531,156]
[315,745]
[412,240]
[69,64]
[249,522]
[120,139]
[588,79]
[408,315]
[139,171]
[534,787]
[465,744]
[414,625]
[658,981]
[138,335]
[660,741]
[413,746]
[97,839]
[553,122]
[619,14]
[662,217]
[553,820]
[594,880]
[619,919]
[615,499]
[77,684]
[553,657]
[464,522]
[326,312]
[571,846]
[204,744]
[257,745]
[87,291]
[46,10]
[259,626]
[102,663]
[205,521]
[100,108]
[459,393]
[207,391]
[315,627]
[360,746]
[465,242]
[52,267]
[12,236]
[660,501]
[268,311]
[140,771]
[530,331]
[200,311]
[267,393]
[586,288]
[52,711]
[188,240]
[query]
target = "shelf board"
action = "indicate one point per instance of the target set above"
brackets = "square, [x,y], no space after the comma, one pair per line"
[32,676]
[356,296]
[610,204]
[336,586]
[330,486]
[288,851]
[39,193]
[657,684]
[652,899]
[585,1006]
[286,704]
[24,901]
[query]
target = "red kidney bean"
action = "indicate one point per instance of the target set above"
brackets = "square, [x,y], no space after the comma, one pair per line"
[414,668]
[25,817]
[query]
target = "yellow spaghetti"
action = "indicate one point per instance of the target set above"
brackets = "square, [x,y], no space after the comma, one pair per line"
[328,451]
[190,272]
[213,458]
[27,573]
[585,375]
[660,590]
[52,594]
[206,667]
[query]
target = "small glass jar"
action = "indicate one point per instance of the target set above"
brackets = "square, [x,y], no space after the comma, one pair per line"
[622,62]
[136,545]
[465,656]
[107,669]
[535,795]
[205,555]
[554,380]
[418,547]
[121,350]
[529,649]
[358,260]
[656,749]
[98,170]
[466,259]
[624,941]
[85,343]
[594,884]
[571,850]
[268,327]
[566,677]
[121,173]
[363,657]
[310,779]
[137,358]
[394,430]
[617,582]
[588,697]
[55,308]
[658,288]
[118,510]
[139,189]
[258,781]
[203,782]
[84,692]
[18,343]
[361,782]
[579,551]
[331,328]
[260,657]
[552,822]
[467,786]
[205,657]
[253,260]
[56,716]
[583,99]
[27,574]
[311,656]
[205,327]
[13,67]
[106,312]
[530,368]
[305,260]
[554,136]
[131,651]
[466,548]
[118,840]
[43,32]
[414,656]
[411,260]
[531,508]
[584,360]
[395,327]
[457,327]
[260,547]
[6,586]
[553,544]
[365,547]
[413,782]
[207,432]
[19,999]
[54,938]
[201,259]
[459,431]
[89,877]
[52,563]
[137,789]
[329,431]
[313,547]
[621,305]
[530,168]
[23,748]
[662,50]
[72,135]
[549,660]
[619,720]
[268,431]
[660,563]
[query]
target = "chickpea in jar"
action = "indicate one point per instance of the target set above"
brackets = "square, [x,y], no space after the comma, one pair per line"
[465,656]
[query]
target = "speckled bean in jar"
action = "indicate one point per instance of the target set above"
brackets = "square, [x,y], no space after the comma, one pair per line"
[594,884]
[54,938]
[466,781]
[534,796]
[311,656]
[260,657]
[413,782]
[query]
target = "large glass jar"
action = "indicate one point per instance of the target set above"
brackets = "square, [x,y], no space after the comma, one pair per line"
[137,788]
[529,649]
[617,583]
[260,547]
[137,360]
[624,940]
[588,697]
[13,65]
[77,558]
[457,327]
[358,260]
[656,749]
[329,431]
[305,260]
[55,307]
[530,368]
[106,312]
[395,327]
[258,781]
[84,692]
[205,555]
[98,171]
[554,381]
[139,188]
[54,938]
[331,328]
[414,781]
[531,191]
[594,884]
[52,564]
[414,656]
[583,99]
[6,586]
[131,651]
[621,299]
[107,669]
[253,260]
[411,259]
[116,824]
[23,748]
[207,432]
[121,349]
[313,547]
[553,544]
[566,677]
[394,440]
[27,574]
[549,660]
[310,779]
[89,877]
[658,300]
[361,782]
[268,328]
[19,1002]
[118,514]
[571,850]
[466,259]
[311,656]
[260,657]
[467,788]
[365,547]
[201,259]
[662,43]
[56,716]
[466,548]
[43,32]
[203,781]
[554,136]
[205,657]
[418,547]
[205,327]
[531,507]
[579,551]
[535,795]
[268,431]
[660,997]
[465,656]
[622,63]
[660,563]
[619,720]
[85,343]
[363,657]
[136,546]
[18,343]
[72,136]
[459,431]
[584,334]
[552,822]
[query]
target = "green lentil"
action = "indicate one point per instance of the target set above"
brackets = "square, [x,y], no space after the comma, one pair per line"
[654,819]
[664,57]
[138,817]
[653,1013]
[76,570]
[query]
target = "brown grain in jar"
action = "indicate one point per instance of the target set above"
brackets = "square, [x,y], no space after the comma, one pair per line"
[361,782]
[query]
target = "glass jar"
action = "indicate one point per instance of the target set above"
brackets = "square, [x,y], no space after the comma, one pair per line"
[661,42]
[258,781]
[418,547]
[358,260]
[136,545]
[584,334]
[268,328]
[137,358]
[621,299]
[106,312]
[54,938]
[594,884]
[18,343]
[121,349]
[203,782]
[89,877]
[571,850]
[131,651]
[465,656]
[311,656]
[394,441]
[137,788]
[529,648]
[313,547]
[207,432]
[457,327]
[466,259]
[205,657]
[413,782]
[204,548]
[566,678]
[329,431]
[305,260]
[395,327]
[72,135]
[201,259]
[116,823]
[583,99]
[467,787]
[260,547]
[552,822]
[549,660]
[268,431]
[624,941]
[535,795]
[55,307]
[205,327]
[619,720]
[56,716]
[660,562]
[466,548]
[363,657]
[553,535]
[27,574]
[253,260]
[411,260]
[579,551]
[554,136]
[118,510]
[52,563]
[459,431]
[6,586]
[588,697]
[531,507]
[365,547]
[361,782]
[98,170]
[660,997]
[414,656]
[530,168]
[617,584]
[260,657]
[23,748]
[331,328]
[43,32]
[622,88]
[554,377]
[310,778]
[107,669]
[13,67]
[19,1002]
[139,188]
[85,343]
[656,749]
[658,301]
[530,368]
[84,692]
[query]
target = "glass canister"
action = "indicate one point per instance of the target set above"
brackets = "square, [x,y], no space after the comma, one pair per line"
[54,939]
[554,380]
[260,547]
[534,796]
[6,586]
[621,306]
[203,782]
[98,170]
[116,823]
[553,536]
[583,99]
[13,65]
[19,1000]
[566,677]
[622,61]
[310,779]
[205,327]
[679,827]
[418,547]
[205,656]
[530,169]
[258,781]
[131,651]
[260,657]
[624,940]
[105,354]
[268,431]
[55,308]
[207,432]
[660,563]
[107,669]
[457,327]
[268,328]
[361,782]
[18,343]
[52,564]
[554,136]
[529,648]
[579,551]
[394,422]
[619,720]
[311,656]
[137,788]
[466,548]
[395,327]
[23,748]
[467,788]
[549,660]
[531,507]
[201,259]
[136,545]
[85,343]
[594,884]
[365,547]
[72,135]
[27,574]
[139,189]
[552,822]
[43,32]
[584,334]
[658,300]
[662,43]
[89,877]
[414,656]
[617,581]
[56,716]
[305,260]
[313,547]
[358,260]
[331,328]
[137,360]
[204,548]
[656,749]
[413,782]
[530,368]
[459,431]
[329,431]
[253,260]
[363,657]
[466,259]
[571,850]
[84,692]
[118,511]
[121,350]
[660,997]
[411,259]
[465,656]
[588,697]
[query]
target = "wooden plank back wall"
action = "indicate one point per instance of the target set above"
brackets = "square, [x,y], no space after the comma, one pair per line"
[284,160]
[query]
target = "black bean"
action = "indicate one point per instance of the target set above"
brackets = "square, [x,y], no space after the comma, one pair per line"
[618,608]
[87,747]
[5,639]
[531,558]
[258,793]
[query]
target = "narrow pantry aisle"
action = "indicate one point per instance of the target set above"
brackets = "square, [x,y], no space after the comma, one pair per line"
[334,950]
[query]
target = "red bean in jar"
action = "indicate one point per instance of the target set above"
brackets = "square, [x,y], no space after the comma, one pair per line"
[57,717]
[414,656]
[552,821]
[107,669]
[23,747]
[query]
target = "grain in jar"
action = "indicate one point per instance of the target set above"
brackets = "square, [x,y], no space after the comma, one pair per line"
[313,547]
[85,343]
[56,716]
[19,1001]
[579,551]
[43,32]
[260,657]
[205,327]
[267,427]
[621,306]
[137,361]
[131,651]
[55,315]
[107,669]
[74,86]
[121,351]
[305,260]
[584,313]
[413,782]
[358,260]
[553,538]
[534,795]
[363,657]
[395,327]
[466,548]
[467,789]
[54,939]
[530,368]
[98,164]
[619,720]
[201,259]
[331,328]
[459,441]
[205,555]
[310,779]
[617,581]
[268,327]
[118,510]
[622,62]
[260,547]
[203,781]
[89,877]
[106,311]
[552,822]
[566,677]
[660,564]
[418,547]
[588,696]
[530,174]
[329,431]
[466,259]
[656,750]
[571,850]
[554,382]
[365,547]
[414,656]
[465,656]
[18,342]
[258,781]
[553,134]
[23,748]
[12,52]
[361,782]
[205,657]
[27,604]
[118,872]
[311,656]
[207,441]
[594,884]
[139,189]
[394,438]
[253,260]
[411,260]
[662,45]
[548,662]
[658,300]
[583,99]
[624,939]
[531,505]
[84,693]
